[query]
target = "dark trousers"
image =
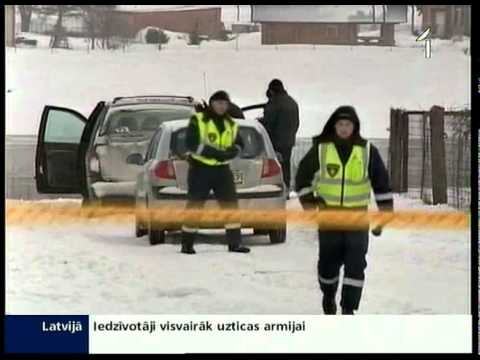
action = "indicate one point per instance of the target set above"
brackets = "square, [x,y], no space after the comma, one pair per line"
[286,156]
[201,180]
[348,248]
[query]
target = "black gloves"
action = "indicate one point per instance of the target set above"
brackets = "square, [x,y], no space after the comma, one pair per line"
[377,231]
[199,107]
[232,152]
[221,155]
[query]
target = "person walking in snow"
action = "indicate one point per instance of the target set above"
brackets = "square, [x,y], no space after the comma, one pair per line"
[213,141]
[281,120]
[338,173]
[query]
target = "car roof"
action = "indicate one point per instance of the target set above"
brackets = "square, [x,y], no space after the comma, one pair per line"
[150,106]
[174,125]
[153,100]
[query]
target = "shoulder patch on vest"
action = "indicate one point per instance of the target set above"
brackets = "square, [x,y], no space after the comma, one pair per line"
[332,169]
[212,137]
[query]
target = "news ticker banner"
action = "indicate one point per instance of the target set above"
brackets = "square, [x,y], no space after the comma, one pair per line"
[173,334]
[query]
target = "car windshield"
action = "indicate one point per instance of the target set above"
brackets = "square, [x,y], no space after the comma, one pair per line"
[253,142]
[136,120]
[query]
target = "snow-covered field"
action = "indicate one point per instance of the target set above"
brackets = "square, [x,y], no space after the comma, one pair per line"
[373,79]
[103,268]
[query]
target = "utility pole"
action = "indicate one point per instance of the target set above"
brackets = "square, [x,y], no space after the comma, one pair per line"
[9,25]
[238,20]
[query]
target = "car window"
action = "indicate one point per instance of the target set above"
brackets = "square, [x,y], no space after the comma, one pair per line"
[63,127]
[253,142]
[153,146]
[137,119]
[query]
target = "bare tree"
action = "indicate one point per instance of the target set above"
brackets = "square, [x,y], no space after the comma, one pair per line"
[117,26]
[97,19]
[25,16]
[58,34]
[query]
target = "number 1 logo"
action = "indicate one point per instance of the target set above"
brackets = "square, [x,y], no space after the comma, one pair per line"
[425,36]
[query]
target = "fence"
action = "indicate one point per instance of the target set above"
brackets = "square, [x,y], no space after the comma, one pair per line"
[430,155]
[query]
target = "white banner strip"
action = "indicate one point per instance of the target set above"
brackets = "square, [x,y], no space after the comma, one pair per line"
[280,334]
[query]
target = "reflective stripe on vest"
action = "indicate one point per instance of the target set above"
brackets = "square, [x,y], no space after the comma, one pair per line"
[209,135]
[332,176]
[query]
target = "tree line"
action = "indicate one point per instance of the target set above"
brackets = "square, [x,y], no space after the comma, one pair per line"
[100,22]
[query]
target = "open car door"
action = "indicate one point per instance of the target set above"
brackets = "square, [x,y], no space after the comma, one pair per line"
[57,162]
[254,111]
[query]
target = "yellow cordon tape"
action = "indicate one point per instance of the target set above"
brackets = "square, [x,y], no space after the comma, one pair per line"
[172,218]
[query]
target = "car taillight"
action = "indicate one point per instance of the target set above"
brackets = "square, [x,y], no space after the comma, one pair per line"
[164,170]
[270,168]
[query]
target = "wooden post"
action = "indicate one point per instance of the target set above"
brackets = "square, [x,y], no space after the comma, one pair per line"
[404,123]
[424,154]
[439,168]
[394,150]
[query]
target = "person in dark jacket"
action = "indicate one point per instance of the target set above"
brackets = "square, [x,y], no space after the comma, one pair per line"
[339,172]
[281,120]
[212,140]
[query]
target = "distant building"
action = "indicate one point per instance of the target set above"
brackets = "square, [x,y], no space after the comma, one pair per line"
[205,20]
[329,24]
[447,21]
[239,28]
[9,25]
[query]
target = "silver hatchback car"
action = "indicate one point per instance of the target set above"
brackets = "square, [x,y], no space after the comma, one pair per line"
[163,180]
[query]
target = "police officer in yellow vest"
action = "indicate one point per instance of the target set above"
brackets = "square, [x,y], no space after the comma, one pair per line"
[339,172]
[212,140]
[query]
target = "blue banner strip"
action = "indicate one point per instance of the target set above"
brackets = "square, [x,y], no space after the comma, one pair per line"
[46,333]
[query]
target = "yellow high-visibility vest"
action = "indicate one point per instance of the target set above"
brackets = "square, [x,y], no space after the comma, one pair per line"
[343,186]
[210,135]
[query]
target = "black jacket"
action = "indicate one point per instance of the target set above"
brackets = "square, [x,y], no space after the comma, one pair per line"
[309,165]
[193,138]
[281,120]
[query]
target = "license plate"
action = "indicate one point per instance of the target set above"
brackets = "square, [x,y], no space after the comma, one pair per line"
[237,177]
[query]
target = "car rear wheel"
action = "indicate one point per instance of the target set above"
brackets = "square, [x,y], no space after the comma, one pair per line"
[278,236]
[155,236]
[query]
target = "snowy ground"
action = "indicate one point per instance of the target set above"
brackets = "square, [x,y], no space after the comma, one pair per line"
[321,78]
[105,269]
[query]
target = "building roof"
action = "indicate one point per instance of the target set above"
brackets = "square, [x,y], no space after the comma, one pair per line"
[154,8]
[330,13]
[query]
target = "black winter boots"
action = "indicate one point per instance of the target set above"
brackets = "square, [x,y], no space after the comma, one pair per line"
[239,249]
[234,238]
[346,311]
[329,305]
[187,243]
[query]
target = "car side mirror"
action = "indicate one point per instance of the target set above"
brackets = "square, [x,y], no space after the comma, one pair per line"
[135,159]
[279,156]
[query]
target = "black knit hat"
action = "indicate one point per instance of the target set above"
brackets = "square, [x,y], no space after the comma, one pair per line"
[219,95]
[345,116]
[276,86]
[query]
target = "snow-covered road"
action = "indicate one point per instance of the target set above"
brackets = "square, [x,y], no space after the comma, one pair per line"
[104,269]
